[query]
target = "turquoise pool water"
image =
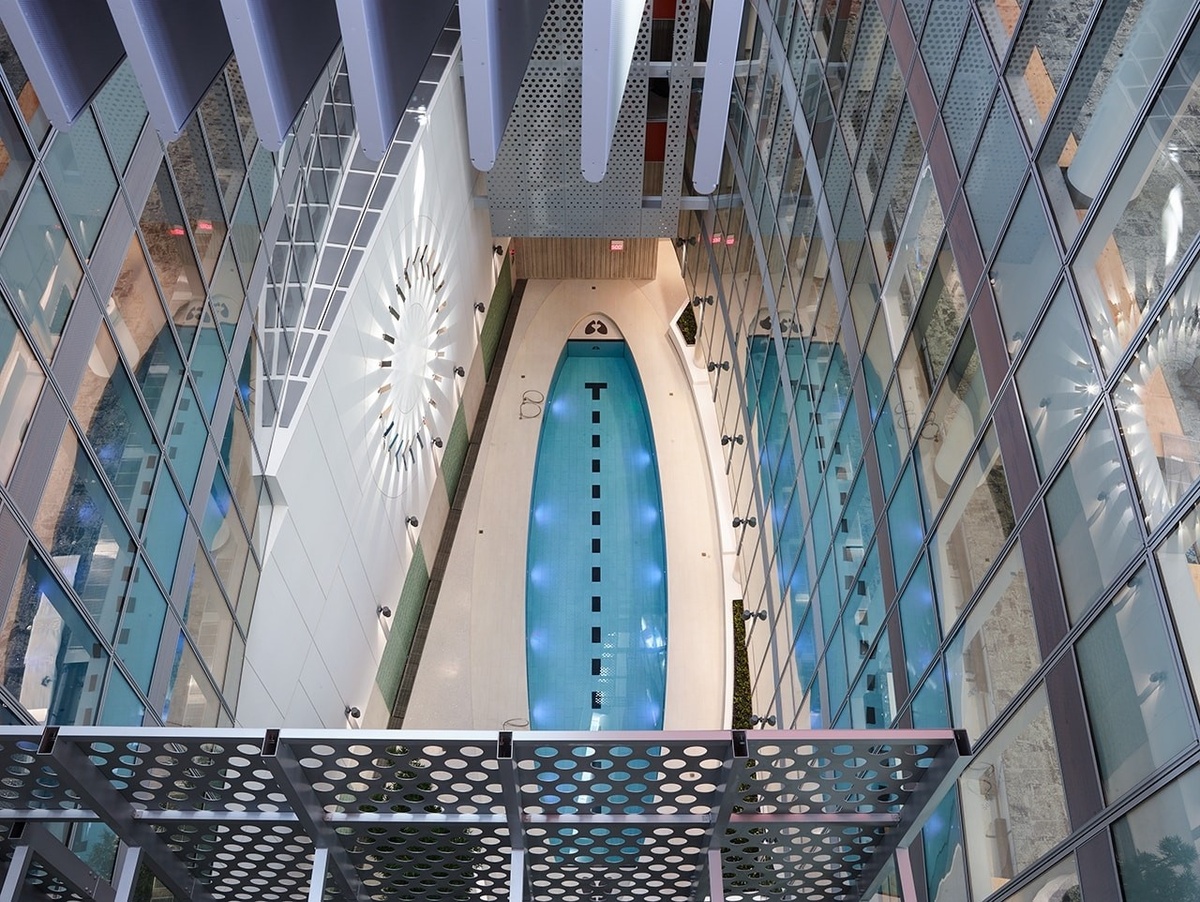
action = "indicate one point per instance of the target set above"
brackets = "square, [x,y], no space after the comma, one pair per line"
[596,588]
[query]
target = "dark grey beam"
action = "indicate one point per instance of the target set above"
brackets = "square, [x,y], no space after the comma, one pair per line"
[68,47]
[176,49]
[282,48]
[387,44]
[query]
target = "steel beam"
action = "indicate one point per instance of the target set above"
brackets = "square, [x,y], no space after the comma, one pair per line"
[65,864]
[316,882]
[285,767]
[18,867]
[731,775]
[75,769]
[129,862]
[714,102]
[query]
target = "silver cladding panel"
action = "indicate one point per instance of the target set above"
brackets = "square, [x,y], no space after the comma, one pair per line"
[626,817]
[537,189]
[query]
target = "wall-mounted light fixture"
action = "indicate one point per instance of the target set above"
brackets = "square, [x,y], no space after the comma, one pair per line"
[744,521]
[412,521]
[723,365]
[498,250]
[383,611]
[707,300]
[479,306]
[748,615]
[459,371]
[352,712]
[437,442]
[768,721]
[732,439]
[690,241]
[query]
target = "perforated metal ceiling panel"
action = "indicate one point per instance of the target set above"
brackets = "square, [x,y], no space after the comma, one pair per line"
[571,817]
[537,189]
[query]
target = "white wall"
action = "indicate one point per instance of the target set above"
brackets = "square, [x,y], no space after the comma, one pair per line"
[342,547]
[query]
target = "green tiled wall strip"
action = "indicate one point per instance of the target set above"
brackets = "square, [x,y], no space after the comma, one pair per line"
[404,624]
[497,313]
[456,453]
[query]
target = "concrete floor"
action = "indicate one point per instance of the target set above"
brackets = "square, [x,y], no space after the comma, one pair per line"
[472,674]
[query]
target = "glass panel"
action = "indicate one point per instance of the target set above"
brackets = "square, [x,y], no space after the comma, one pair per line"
[996,174]
[916,251]
[142,619]
[946,436]
[1000,19]
[140,328]
[994,653]
[1058,884]
[945,868]
[1057,381]
[21,380]
[246,232]
[968,95]
[1148,219]
[224,535]
[121,707]
[1135,703]
[929,704]
[87,539]
[167,519]
[39,269]
[1041,56]
[217,115]
[241,107]
[209,620]
[112,419]
[83,179]
[906,528]
[185,444]
[50,660]
[171,253]
[192,701]
[1025,267]
[1013,806]
[27,99]
[14,160]
[943,307]
[1112,77]
[1157,844]
[1158,403]
[122,112]
[919,624]
[1092,518]
[1179,563]
[978,521]
[940,40]
[198,188]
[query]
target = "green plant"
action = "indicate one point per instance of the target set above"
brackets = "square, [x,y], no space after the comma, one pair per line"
[742,708]
[687,324]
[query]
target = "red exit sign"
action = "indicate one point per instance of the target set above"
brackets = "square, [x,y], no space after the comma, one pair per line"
[616,244]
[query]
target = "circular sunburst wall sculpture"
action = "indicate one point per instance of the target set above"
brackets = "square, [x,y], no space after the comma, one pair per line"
[409,355]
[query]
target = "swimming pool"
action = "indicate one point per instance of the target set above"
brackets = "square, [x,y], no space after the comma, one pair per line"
[595,588]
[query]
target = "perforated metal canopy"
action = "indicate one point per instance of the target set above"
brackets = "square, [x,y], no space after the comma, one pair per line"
[494,817]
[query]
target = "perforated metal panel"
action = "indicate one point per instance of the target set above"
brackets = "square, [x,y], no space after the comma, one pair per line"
[536,188]
[570,817]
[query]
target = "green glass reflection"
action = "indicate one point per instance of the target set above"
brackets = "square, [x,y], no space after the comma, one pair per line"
[1158,855]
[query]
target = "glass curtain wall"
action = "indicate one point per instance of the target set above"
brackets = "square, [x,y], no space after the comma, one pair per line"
[957,298]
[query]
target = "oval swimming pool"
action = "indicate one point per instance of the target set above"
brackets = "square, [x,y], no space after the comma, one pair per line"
[596,589]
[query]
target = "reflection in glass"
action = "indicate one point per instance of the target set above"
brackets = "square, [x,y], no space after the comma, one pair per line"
[1012,793]
[198,188]
[1059,883]
[1148,218]
[192,701]
[1057,381]
[1137,710]
[221,130]
[111,417]
[83,180]
[1041,55]
[915,252]
[21,380]
[995,651]
[977,522]
[121,707]
[122,113]
[79,523]
[1091,518]
[141,626]
[1025,267]
[39,269]
[1179,562]
[1158,402]
[967,97]
[1158,854]
[14,159]
[166,236]
[27,100]
[996,173]
[919,624]
[945,867]
[1111,79]
[52,663]
[140,327]
[208,618]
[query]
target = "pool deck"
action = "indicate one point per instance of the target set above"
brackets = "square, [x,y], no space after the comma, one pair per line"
[472,674]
